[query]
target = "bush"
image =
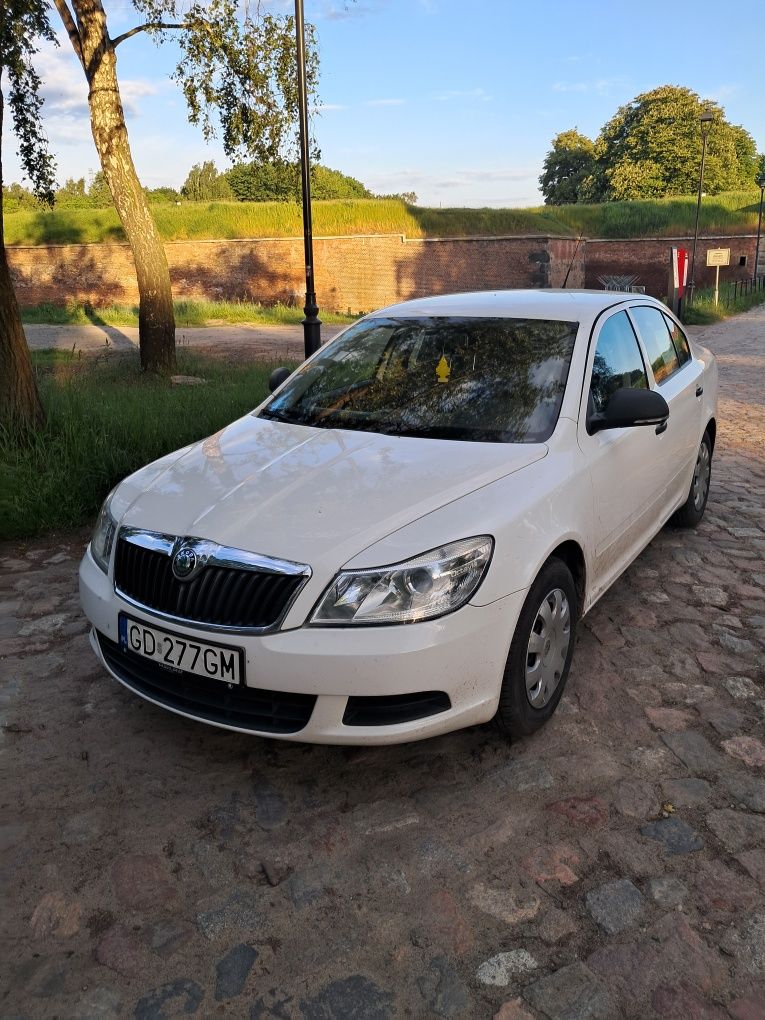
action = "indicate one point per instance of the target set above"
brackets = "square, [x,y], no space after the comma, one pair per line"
[105,419]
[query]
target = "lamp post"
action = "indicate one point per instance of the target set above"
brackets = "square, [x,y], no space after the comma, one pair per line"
[760,182]
[311,322]
[705,120]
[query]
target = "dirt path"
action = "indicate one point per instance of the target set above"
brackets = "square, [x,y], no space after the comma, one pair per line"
[611,866]
[260,340]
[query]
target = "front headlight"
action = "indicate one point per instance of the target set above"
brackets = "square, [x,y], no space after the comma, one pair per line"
[436,583]
[103,536]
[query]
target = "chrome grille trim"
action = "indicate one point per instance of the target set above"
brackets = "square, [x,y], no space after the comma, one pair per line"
[209,554]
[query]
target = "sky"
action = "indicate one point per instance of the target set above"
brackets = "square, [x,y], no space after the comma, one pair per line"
[456,100]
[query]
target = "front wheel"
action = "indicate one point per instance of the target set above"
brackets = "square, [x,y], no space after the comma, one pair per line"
[691,512]
[540,653]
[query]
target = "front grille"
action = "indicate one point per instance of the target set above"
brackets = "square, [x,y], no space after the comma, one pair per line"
[247,708]
[218,596]
[389,709]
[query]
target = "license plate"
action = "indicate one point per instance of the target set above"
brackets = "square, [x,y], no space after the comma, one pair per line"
[181,654]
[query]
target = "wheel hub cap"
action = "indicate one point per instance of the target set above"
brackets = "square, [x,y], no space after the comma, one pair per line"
[548,648]
[701,475]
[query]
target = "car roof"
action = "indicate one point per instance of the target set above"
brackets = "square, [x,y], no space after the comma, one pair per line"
[567,305]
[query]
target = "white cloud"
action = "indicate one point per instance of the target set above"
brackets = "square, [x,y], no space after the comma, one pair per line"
[65,90]
[414,179]
[327,107]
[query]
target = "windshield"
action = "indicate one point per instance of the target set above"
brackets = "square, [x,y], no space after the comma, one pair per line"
[476,379]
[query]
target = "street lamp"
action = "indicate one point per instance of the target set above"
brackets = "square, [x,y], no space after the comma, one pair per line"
[760,182]
[311,322]
[705,120]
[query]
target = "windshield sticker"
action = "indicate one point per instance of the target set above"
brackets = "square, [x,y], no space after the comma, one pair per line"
[442,370]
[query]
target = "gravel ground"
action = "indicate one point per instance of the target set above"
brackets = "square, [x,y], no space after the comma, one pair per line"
[611,866]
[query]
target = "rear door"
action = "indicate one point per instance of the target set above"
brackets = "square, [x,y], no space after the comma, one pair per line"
[627,490]
[679,380]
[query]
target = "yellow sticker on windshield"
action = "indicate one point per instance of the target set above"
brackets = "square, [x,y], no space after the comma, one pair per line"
[442,370]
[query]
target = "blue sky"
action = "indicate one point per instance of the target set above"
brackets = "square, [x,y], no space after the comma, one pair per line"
[457,101]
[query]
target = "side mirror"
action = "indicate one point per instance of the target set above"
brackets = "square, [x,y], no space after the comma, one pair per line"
[277,377]
[629,407]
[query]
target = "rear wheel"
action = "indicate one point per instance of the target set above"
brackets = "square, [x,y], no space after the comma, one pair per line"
[691,512]
[541,652]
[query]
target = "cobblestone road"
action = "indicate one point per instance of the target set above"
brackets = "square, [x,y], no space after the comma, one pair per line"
[611,866]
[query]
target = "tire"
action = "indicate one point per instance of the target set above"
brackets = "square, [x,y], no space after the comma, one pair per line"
[691,512]
[531,686]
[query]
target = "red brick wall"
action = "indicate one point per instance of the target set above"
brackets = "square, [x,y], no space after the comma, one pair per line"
[648,259]
[357,273]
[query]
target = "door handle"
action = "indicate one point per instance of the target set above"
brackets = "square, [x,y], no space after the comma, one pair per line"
[699,390]
[661,428]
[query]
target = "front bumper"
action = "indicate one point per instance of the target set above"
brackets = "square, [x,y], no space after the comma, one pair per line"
[462,655]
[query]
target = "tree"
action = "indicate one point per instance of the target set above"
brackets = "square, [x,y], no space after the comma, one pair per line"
[22,24]
[236,68]
[99,195]
[279,181]
[205,184]
[566,167]
[650,148]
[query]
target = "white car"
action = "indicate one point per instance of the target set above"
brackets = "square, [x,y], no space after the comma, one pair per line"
[403,538]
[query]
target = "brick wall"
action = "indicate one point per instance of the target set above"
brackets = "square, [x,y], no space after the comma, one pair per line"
[357,273]
[648,259]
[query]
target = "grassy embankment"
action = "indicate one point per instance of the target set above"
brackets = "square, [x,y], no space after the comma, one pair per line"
[732,212]
[105,419]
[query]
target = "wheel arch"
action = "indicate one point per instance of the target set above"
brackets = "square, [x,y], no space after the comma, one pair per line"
[712,430]
[571,553]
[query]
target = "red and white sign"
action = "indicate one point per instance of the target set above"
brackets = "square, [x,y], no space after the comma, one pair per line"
[680,269]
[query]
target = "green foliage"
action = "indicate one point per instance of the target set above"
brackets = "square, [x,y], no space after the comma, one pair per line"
[237,70]
[98,192]
[279,181]
[205,184]
[651,148]
[73,195]
[105,419]
[187,313]
[734,212]
[22,24]
[704,311]
[157,196]
[566,167]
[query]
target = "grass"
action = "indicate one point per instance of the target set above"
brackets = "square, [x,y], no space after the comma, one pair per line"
[731,212]
[704,311]
[105,419]
[187,313]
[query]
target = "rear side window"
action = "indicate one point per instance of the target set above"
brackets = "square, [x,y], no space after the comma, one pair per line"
[658,342]
[679,339]
[618,362]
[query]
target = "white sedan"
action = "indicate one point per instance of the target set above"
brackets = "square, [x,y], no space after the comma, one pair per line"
[404,537]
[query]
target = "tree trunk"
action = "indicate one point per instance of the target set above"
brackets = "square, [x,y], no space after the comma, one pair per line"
[20,407]
[156,318]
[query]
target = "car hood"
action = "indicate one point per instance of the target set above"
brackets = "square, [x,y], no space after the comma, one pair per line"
[308,494]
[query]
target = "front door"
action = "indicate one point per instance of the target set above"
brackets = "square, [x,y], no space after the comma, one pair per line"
[627,490]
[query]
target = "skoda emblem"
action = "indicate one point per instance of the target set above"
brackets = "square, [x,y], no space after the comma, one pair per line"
[184,563]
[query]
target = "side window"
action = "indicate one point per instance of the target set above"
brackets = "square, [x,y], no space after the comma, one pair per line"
[679,339]
[618,362]
[658,342]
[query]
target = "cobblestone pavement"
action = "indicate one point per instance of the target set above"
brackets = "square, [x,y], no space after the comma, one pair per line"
[611,866]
